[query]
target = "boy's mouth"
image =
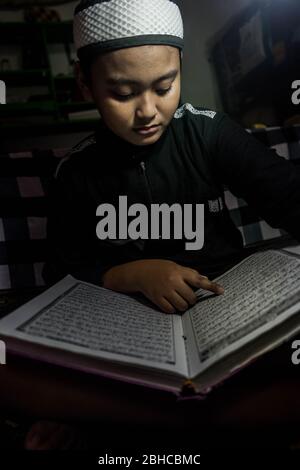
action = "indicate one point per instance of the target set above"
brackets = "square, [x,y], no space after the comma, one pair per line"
[147,130]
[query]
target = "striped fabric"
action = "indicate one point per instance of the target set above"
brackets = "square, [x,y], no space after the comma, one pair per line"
[286,142]
[24,181]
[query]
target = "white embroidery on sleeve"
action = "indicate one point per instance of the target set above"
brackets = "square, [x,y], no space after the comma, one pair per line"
[189,107]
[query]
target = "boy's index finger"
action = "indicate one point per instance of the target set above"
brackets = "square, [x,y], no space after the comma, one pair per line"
[195,279]
[205,283]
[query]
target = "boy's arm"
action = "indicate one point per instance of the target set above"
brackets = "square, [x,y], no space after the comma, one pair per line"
[73,248]
[167,284]
[267,182]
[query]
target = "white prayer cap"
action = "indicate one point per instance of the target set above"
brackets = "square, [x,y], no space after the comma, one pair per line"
[104,25]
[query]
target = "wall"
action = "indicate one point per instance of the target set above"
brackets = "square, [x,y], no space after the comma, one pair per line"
[202,20]
[65,11]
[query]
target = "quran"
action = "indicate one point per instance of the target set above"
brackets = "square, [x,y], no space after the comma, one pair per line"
[81,326]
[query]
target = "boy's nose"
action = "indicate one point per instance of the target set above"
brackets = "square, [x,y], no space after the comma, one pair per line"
[146,108]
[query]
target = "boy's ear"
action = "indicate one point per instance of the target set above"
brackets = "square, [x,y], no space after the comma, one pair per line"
[82,83]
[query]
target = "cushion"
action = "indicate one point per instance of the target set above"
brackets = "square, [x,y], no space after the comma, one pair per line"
[24,181]
[286,142]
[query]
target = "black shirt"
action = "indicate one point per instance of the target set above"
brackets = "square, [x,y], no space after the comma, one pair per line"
[200,152]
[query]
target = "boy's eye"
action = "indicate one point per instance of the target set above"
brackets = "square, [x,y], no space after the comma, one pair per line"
[163,91]
[123,97]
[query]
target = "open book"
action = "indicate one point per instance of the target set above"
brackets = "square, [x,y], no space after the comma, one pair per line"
[82,326]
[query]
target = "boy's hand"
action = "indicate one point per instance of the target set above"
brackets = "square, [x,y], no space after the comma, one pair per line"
[167,284]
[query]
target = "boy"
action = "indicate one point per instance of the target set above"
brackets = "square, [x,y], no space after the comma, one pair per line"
[153,151]
[148,149]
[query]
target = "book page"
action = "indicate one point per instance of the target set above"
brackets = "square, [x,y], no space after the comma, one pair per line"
[293,249]
[97,321]
[258,291]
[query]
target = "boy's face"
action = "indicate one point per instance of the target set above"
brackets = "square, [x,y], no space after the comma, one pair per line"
[137,88]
